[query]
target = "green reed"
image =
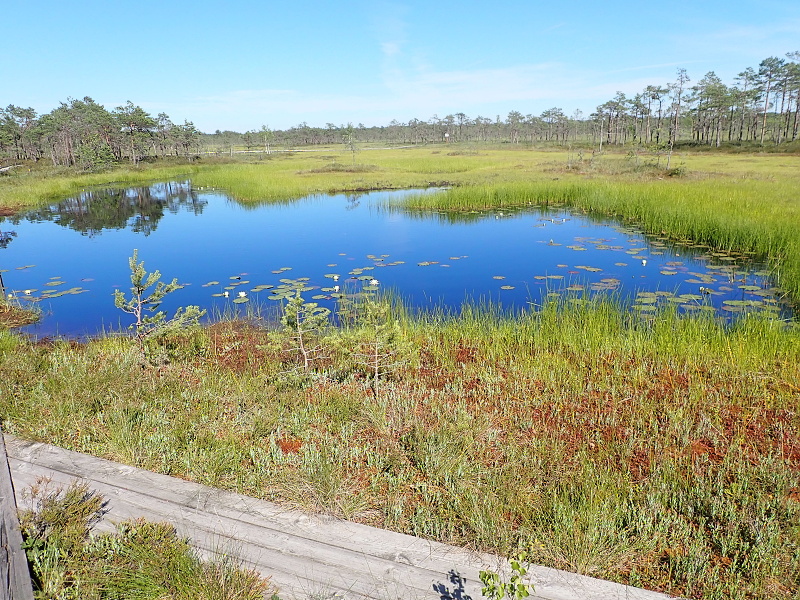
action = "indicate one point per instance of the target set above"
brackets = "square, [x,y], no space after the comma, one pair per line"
[656,451]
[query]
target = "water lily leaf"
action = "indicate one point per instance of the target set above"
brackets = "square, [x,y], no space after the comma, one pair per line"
[240,300]
[220,295]
[555,277]
[498,276]
[575,288]
[621,264]
[665,272]
[506,287]
[750,288]
[54,283]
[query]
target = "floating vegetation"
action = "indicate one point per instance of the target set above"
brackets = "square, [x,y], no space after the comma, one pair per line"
[506,287]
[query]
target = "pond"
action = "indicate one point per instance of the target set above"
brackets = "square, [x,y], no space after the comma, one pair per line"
[70,257]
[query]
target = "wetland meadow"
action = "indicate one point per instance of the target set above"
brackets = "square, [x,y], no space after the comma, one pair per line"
[590,359]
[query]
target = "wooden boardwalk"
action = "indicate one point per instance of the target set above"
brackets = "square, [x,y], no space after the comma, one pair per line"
[15,582]
[308,557]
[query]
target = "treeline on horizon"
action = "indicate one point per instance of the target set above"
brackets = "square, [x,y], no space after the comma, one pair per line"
[82,133]
[762,106]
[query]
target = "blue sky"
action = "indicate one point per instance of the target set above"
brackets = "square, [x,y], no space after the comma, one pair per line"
[241,64]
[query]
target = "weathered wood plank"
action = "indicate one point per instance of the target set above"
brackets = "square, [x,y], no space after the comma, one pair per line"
[305,554]
[15,581]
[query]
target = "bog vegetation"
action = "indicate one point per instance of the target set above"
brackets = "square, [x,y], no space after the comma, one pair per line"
[660,452]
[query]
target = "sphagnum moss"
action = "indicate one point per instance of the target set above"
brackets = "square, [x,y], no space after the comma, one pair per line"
[675,463]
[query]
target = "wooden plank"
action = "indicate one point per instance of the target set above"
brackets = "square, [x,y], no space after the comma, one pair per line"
[15,581]
[304,554]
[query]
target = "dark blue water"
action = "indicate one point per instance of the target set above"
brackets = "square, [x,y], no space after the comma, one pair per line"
[69,258]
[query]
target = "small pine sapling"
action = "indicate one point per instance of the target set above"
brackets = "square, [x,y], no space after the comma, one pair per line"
[143,305]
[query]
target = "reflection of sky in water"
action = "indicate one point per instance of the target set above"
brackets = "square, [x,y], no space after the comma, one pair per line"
[433,260]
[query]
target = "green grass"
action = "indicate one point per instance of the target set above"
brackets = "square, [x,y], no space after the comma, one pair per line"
[662,453]
[139,559]
[37,185]
[754,216]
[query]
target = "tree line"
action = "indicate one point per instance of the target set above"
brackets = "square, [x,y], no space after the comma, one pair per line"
[83,134]
[761,105]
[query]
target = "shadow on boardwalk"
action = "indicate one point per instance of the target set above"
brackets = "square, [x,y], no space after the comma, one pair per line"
[306,556]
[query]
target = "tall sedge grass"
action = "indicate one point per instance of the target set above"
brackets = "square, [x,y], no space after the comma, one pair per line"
[660,452]
[750,216]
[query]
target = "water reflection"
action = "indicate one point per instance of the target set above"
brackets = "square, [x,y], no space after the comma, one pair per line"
[220,248]
[139,209]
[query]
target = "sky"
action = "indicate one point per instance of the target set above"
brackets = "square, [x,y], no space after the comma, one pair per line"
[242,64]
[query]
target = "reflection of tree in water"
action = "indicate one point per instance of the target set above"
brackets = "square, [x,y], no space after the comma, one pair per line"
[6,237]
[5,240]
[138,209]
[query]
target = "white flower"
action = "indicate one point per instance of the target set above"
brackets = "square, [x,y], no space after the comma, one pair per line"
[644,262]
[374,282]
[242,294]
[225,293]
[28,292]
[11,295]
[336,288]
[336,278]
